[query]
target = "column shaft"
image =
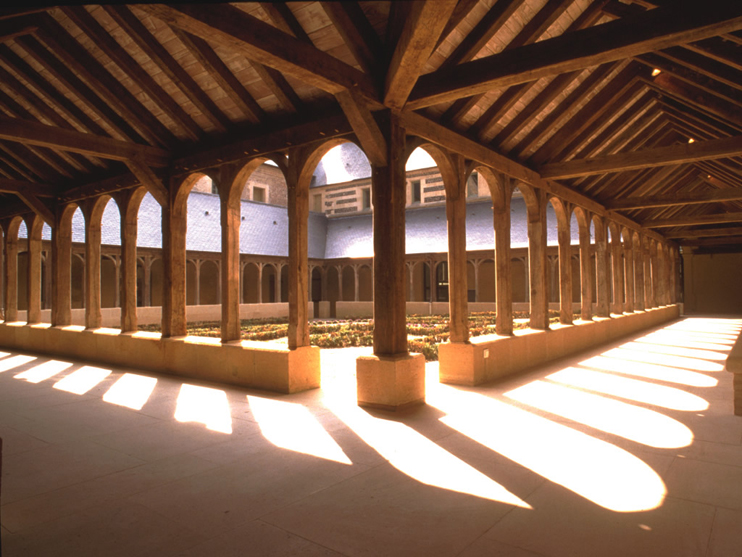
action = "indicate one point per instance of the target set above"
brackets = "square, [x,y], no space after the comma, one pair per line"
[62,271]
[565,273]
[298,212]
[503,274]
[537,261]
[458,303]
[11,274]
[34,270]
[92,273]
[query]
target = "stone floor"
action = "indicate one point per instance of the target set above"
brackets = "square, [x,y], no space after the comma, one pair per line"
[629,450]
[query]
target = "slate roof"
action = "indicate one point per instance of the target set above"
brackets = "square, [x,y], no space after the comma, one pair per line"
[264,229]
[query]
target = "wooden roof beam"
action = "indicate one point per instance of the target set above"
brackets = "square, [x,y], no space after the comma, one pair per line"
[15,27]
[706,233]
[365,127]
[33,188]
[646,158]
[693,221]
[357,33]
[717,196]
[33,133]
[259,41]
[37,206]
[422,28]
[654,30]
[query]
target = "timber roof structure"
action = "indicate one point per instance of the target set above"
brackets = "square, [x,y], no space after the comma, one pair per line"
[631,109]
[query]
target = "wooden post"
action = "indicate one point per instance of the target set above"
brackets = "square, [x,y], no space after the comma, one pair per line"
[129,208]
[92,264]
[564,235]
[388,190]
[230,262]
[33,276]
[601,268]
[260,282]
[653,274]
[617,267]
[628,261]
[639,295]
[501,198]
[174,322]
[61,269]
[298,212]
[586,286]
[458,303]
[147,280]
[537,260]
[11,270]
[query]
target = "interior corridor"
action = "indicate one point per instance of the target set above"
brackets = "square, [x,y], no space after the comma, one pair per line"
[632,449]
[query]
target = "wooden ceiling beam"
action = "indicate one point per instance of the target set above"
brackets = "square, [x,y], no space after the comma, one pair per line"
[654,30]
[37,206]
[99,187]
[28,159]
[15,27]
[365,127]
[81,62]
[358,34]
[33,188]
[259,41]
[711,242]
[283,18]
[704,65]
[646,158]
[33,133]
[131,68]
[719,50]
[150,180]
[422,28]
[717,196]
[693,221]
[706,233]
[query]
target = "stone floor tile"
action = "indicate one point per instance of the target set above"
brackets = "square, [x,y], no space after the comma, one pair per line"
[715,484]
[726,538]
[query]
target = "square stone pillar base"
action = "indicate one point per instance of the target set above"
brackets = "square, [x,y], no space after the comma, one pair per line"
[390,382]
[461,363]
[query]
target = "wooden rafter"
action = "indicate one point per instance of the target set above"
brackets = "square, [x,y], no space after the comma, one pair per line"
[364,125]
[616,40]
[661,156]
[34,188]
[37,206]
[693,221]
[357,33]
[263,43]
[33,133]
[676,199]
[707,233]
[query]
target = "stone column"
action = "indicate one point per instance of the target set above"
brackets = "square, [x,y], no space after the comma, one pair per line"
[323,288]
[564,234]
[503,274]
[458,303]
[586,287]
[601,268]
[196,281]
[537,260]
[260,282]
[11,270]
[628,262]
[339,269]
[92,266]
[356,293]
[298,213]
[476,263]
[61,269]
[617,266]
[277,267]
[174,322]
[432,266]
[639,295]
[33,288]
[411,284]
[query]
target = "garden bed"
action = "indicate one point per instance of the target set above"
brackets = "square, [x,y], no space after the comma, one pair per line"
[424,332]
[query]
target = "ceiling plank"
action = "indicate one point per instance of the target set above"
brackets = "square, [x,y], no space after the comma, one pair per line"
[33,133]
[645,158]
[654,30]
[99,187]
[693,221]
[706,233]
[422,28]
[263,43]
[717,196]
[357,33]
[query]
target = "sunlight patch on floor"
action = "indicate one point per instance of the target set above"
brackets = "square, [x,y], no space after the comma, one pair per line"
[611,416]
[16,361]
[291,426]
[43,371]
[131,390]
[204,405]
[651,371]
[644,356]
[631,389]
[596,470]
[4,354]
[82,380]
[685,352]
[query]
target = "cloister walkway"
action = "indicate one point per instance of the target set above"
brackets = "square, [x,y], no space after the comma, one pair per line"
[632,449]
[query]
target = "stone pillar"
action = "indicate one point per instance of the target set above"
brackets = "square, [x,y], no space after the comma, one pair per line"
[476,263]
[323,288]
[639,295]
[92,265]
[356,293]
[260,282]
[229,283]
[339,269]
[537,260]
[33,288]
[601,268]
[564,234]
[586,287]
[458,303]
[11,270]
[298,213]
[277,267]
[410,265]
[628,262]
[617,266]
[433,283]
[391,378]
[61,269]
[503,276]
[174,322]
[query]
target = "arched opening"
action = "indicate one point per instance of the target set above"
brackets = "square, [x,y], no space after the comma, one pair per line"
[365,284]
[209,282]
[349,284]
[109,282]
[333,284]
[250,277]
[193,293]
[269,284]
[487,281]
[77,271]
[471,282]
[156,278]
[519,279]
